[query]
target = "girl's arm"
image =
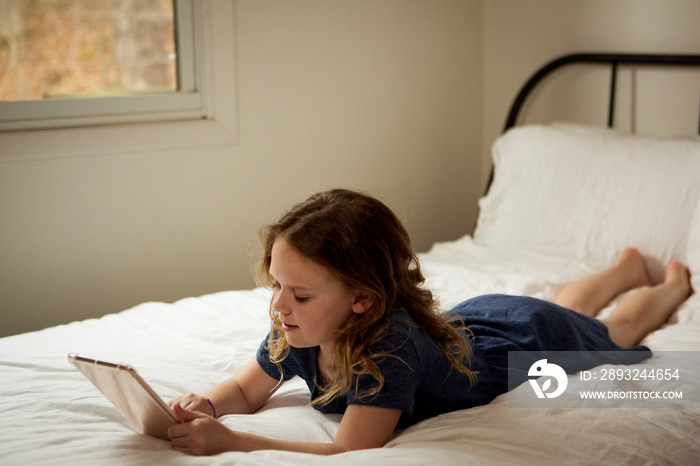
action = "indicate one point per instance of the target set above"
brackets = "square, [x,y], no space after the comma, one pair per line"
[244,393]
[362,427]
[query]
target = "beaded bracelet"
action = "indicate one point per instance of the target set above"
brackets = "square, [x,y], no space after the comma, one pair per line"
[213,409]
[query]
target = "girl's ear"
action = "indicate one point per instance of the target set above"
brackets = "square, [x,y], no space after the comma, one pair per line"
[363,303]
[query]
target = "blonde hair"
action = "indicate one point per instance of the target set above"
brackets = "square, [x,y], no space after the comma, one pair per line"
[365,246]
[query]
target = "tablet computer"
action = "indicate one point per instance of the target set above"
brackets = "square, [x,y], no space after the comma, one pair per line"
[129,393]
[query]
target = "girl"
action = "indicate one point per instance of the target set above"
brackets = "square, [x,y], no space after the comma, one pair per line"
[349,316]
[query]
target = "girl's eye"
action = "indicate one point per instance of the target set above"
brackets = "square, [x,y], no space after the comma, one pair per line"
[300,299]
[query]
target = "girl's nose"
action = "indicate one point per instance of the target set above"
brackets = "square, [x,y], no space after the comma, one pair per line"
[279,304]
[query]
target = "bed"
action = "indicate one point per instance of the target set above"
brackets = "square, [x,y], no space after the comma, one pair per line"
[527,242]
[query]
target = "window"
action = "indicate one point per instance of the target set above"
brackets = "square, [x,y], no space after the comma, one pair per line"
[73,63]
[124,111]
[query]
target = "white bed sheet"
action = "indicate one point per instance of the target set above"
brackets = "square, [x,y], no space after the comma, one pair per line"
[52,415]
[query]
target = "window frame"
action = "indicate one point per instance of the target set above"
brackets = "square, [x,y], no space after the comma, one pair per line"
[181,119]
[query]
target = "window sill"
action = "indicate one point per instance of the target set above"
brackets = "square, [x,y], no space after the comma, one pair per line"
[117,139]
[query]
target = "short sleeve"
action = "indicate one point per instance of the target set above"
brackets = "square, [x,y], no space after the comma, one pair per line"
[270,368]
[400,366]
[299,362]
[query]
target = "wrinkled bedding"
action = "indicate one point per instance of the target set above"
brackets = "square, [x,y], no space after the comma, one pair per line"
[52,415]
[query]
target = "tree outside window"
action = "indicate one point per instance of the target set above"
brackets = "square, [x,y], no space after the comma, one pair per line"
[86,48]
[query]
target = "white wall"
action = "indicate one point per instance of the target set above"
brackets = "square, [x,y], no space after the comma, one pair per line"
[380,96]
[401,98]
[522,35]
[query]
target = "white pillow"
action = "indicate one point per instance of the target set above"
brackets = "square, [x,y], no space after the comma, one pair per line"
[585,194]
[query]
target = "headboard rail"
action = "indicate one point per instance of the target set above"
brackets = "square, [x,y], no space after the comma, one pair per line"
[613,59]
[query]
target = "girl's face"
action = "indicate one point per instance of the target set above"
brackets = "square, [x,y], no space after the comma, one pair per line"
[310,303]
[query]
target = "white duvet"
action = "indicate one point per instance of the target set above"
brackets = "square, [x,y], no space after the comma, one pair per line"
[50,414]
[529,241]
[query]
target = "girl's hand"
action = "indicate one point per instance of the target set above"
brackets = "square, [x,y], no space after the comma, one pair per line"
[193,402]
[199,434]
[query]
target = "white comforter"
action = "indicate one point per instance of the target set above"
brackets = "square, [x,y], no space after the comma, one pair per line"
[50,414]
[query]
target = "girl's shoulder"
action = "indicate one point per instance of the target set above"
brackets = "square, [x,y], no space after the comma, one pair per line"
[401,323]
[400,317]
[403,333]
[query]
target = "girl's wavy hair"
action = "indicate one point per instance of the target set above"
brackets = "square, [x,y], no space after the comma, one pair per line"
[365,246]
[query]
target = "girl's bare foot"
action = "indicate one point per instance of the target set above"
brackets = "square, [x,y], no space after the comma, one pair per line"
[677,274]
[644,311]
[631,263]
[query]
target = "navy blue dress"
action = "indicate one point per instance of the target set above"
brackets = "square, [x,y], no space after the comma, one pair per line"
[420,382]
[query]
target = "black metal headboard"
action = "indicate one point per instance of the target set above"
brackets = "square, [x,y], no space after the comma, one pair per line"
[613,59]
